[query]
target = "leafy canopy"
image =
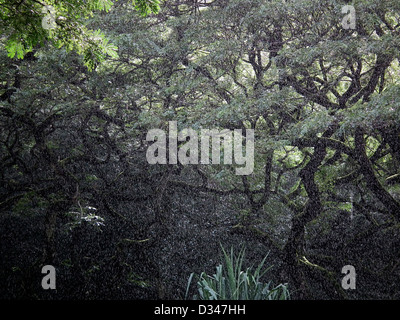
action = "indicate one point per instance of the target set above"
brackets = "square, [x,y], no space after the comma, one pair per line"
[26,24]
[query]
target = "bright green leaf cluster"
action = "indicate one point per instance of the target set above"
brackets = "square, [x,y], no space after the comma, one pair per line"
[23,25]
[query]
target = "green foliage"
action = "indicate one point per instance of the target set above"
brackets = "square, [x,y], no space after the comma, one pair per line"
[30,204]
[24,26]
[147,7]
[231,282]
[286,68]
[85,215]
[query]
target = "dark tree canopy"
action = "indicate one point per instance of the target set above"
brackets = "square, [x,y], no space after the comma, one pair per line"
[77,191]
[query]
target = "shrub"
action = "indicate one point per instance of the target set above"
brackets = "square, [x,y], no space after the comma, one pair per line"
[230,282]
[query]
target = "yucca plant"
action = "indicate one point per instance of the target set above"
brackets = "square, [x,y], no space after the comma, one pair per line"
[230,282]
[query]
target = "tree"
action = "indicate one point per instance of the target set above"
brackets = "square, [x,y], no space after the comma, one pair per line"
[26,24]
[323,101]
[310,89]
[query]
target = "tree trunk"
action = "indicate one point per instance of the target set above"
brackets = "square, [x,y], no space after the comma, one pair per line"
[371,180]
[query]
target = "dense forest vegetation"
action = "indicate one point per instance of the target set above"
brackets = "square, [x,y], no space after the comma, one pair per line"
[78,98]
